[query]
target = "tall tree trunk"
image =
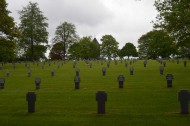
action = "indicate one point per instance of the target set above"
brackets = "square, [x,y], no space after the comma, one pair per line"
[32,45]
[32,48]
[64,50]
[32,37]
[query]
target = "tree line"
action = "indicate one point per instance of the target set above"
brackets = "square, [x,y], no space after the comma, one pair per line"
[29,39]
[171,33]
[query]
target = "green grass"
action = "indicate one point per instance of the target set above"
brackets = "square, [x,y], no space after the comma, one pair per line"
[145,99]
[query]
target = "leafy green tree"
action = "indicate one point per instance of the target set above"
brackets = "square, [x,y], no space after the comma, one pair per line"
[85,49]
[57,51]
[174,18]
[156,43]
[75,51]
[8,34]
[33,27]
[129,50]
[39,52]
[183,52]
[89,49]
[66,33]
[120,54]
[109,47]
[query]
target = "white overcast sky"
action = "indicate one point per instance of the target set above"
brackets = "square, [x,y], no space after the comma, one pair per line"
[125,20]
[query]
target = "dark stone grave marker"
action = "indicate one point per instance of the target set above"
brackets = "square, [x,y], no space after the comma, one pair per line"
[2,83]
[169,78]
[161,70]
[90,65]
[130,62]
[104,71]
[185,63]
[131,69]
[29,72]
[145,63]
[77,82]
[52,72]
[101,98]
[108,64]
[31,98]
[7,73]
[164,63]
[121,79]
[184,97]
[74,64]
[77,72]
[126,64]
[37,82]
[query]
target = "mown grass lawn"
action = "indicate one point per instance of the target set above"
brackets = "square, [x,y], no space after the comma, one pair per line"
[145,99]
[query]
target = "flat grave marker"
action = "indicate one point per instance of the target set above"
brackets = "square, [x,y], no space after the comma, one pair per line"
[31,98]
[131,70]
[77,82]
[121,79]
[184,98]
[104,71]
[37,82]
[2,83]
[161,70]
[169,78]
[7,73]
[101,98]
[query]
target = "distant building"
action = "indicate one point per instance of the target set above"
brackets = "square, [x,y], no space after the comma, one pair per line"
[95,41]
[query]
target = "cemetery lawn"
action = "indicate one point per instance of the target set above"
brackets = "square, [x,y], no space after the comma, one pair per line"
[145,99]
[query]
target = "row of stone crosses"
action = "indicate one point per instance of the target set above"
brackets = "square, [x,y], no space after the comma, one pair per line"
[101,96]
[90,64]
[74,63]
[121,78]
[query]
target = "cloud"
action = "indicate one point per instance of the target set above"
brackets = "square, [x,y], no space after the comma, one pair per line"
[131,19]
[126,20]
[82,13]
[77,11]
